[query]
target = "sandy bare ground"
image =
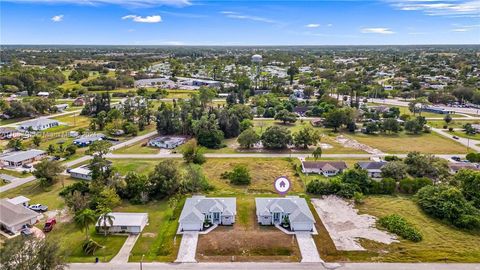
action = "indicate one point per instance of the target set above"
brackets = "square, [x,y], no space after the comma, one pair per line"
[351,143]
[346,226]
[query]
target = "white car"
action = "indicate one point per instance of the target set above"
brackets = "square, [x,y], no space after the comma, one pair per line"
[38,208]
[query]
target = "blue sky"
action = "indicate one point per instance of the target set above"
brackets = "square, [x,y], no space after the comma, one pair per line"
[268,22]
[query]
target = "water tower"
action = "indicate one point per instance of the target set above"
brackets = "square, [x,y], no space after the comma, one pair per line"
[257,61]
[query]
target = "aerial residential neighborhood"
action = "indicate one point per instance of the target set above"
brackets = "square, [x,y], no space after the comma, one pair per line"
[191,134]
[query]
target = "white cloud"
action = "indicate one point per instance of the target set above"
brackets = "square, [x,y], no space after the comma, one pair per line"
[453,8]
[329,25]
[312,25]
[140,19]
[57,18]
[377,30]
[236,15]
[460,30]
[132,3]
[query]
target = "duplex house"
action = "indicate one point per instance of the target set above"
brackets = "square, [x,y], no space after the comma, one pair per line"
[14,217]
[122,222]
[374,168]
[38,124]
[199,210]
[20,158]
[326,168]
[291,209]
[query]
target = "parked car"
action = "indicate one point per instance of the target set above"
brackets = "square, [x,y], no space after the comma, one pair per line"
[26,231]
[49,224]
[455,137]
[27,166]
[456,158]
[38,207]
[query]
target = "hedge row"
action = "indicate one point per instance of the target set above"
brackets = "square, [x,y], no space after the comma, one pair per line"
[398,225]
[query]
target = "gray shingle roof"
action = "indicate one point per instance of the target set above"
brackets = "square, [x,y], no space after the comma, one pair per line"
[196,207]
[372,165]
[321,165]
[11,214]
[296,207]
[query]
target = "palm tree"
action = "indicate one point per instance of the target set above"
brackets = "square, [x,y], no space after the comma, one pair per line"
[84,219]
[106,219]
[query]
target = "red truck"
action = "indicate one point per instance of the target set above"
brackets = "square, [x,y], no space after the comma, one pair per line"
[49,224]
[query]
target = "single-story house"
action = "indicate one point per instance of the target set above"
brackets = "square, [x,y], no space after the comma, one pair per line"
[79,102]
[43,94]
[61,107]
[88,139]
[199,210]
[209,83]
[123,223]
[166,142]
[8,133]
[38,124]
[82,172]
[326,168]
[374,168]
[20,158]
[14,218]
[20,200]
[290,209]
[455,167]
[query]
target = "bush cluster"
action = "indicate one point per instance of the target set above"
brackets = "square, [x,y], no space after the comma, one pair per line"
[411,186]
[448,203]
[398,225]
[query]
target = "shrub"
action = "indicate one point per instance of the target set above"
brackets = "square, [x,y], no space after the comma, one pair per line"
[385,186]
[347,190]
[90,246]
[238,176]
[391,158]
[358,197]
[398,225]
[411,186]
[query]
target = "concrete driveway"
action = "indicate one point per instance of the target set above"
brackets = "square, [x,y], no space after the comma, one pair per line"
[124,253]
[307,246]
[188,248]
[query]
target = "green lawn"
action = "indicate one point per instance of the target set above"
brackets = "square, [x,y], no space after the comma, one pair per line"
[453,124]
[431,143]
[143,166]
[158,241]
[15,173]
[137,148]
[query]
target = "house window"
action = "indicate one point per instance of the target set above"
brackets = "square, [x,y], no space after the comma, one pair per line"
[123,228]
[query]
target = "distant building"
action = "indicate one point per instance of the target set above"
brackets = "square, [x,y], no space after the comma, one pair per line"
[79,102]
[82,172]
[61,107]
[132,223]
[20,158]
[291,209]
[208,83]
[166,142]
[326,168]
[374,168]
[455,167]
[38,124]
[8,133]
[432,109]
[88,139]
[43,94]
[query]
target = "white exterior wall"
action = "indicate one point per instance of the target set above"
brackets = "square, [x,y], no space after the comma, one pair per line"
[191,226]
[81,176]
[228,220]
[301,226]
[264,220]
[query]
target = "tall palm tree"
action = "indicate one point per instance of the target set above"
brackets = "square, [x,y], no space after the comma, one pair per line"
[106,219]
[84,219]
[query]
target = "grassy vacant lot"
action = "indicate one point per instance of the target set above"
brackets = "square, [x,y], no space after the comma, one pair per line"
[246,240]
[431,143]
[142,166]
[15,173]
[262,171]
[453,124]
[137,148]
[441,242]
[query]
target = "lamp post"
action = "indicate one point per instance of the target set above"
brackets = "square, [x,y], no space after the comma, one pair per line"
[141,262]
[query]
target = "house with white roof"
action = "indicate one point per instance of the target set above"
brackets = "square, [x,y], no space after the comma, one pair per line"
[14,217]
[169,142]
[20,200]
[88,139]
[82,172]
[199,210]
[20,158]
[38,124]
[123,222]
[290,209]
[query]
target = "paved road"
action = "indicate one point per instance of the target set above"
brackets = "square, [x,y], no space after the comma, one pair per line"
[275,266]
[188,248]
[21,181]
[469,143]
[308,249]
[124,253]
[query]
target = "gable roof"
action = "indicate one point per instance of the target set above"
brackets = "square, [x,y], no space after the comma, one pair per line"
[38,122]
[18,156]
[372,165]
[296,207]
[11,214]
[125,219]
[324,165]
[196,207]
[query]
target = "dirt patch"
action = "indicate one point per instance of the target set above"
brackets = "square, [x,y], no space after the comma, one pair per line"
[351,143]
[62,215]
[345,226]
[151,235]
[236,243]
